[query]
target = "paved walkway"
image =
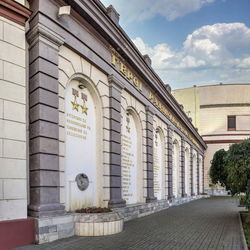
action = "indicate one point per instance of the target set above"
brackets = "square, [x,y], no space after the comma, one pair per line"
[203,224]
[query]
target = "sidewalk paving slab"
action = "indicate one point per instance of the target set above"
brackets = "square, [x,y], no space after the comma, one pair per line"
[210,223]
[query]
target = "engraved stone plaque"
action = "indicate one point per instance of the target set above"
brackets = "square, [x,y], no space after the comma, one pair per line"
[129,159]
[80,147]
[158,166]
[82,181]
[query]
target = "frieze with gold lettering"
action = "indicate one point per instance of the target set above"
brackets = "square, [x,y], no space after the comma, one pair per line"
[120,64]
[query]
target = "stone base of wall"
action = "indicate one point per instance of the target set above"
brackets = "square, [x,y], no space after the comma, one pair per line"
[54,228]
[217,192]
[49,229]
[134,211]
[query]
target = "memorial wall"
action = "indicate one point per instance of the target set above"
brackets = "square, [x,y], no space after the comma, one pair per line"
[104,130]
[85,178]
[117,136]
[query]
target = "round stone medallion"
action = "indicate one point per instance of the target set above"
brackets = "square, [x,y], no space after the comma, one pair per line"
[82,181]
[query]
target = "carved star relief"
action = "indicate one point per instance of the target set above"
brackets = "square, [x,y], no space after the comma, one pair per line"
[75,105]
[128,129]
[84,109]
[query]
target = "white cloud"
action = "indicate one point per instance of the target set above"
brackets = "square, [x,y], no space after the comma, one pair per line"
[245,63]
[218,52]
[146,9]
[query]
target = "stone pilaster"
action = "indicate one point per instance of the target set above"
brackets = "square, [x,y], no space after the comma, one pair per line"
[166,163]
[115,90]
[198,174]
[183,167]
[149,145]
[191,170]
[170,163]
[203,176]
[44,118]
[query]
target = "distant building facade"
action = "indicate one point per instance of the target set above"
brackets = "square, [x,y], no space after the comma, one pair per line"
[222,115]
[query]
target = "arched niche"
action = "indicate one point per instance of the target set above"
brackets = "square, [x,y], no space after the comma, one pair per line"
[176,169]
[195,174]
[83,144]
[158,163]
[131,156]
[187,172]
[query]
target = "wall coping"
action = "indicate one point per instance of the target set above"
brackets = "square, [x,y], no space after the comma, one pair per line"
[14,11]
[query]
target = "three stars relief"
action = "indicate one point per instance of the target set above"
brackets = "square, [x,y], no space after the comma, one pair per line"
[128,121]
[76,105]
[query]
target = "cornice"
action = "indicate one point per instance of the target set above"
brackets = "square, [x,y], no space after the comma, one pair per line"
[14,11]
[114,81]
[223,141]
[95,13]
[41,33]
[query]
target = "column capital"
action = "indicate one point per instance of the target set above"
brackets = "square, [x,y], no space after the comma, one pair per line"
[183,138]
[40,33]
[14,11]
[115,82]
[150,110]
[171,127]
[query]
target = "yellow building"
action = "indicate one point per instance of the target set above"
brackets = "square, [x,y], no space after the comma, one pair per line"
[222,115]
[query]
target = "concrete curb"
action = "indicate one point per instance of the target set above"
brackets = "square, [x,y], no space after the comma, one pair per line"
[245,247]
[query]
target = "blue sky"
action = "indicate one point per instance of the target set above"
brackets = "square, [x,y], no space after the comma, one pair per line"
[191,42]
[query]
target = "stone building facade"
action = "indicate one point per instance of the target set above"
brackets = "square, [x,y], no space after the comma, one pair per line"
[85,121]
[222,115]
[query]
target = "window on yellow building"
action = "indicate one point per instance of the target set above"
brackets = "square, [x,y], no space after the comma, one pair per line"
[231,122]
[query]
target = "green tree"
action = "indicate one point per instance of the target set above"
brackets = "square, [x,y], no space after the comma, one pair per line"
[218,171]
[248,196]
[238,167]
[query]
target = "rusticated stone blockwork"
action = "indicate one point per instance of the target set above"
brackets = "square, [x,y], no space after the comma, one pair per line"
[149,143]
[13,104]
[170,163]
[198,174]
[183,167]
[44,118]
[191,170]
[115,143]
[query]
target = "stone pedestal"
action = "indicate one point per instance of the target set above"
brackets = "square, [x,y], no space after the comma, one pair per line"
[98,224]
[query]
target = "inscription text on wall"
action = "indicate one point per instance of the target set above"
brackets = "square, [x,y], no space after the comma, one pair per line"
[118,61]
